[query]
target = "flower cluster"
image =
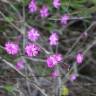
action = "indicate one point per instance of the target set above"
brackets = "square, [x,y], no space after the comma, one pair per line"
[32,50]
[54,74]
[44,11]
[33,34]
[53,39]
[31,47]
[53,60]
[56,3]
[79,58]
[64,19]
[20,64]
[11,48]
[73,77]
[32,6]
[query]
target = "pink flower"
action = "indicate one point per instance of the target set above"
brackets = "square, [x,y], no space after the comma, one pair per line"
[64,19]
[55,74]
[33,34]
[32,6]
[56,3]
[32,50]
[53,60]
[11,48]
[79,58]
[58,57]
[20,64]
[53,39]
[44,12]
[73,77]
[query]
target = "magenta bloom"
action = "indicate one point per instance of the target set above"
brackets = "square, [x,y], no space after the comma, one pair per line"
[44,12]
[33,34]
[20,64]
[32,50]
[79,58]
[64,19]
[56,3]
[58,57]
[53,60]
[54,74]
[11,48]
[73,77]
[32,6]
[54,38]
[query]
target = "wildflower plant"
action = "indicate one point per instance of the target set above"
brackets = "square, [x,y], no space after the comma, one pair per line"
[56,3]
[54,39]
[47,44]
[44,12]
[32,50]
[32,6]
[20,65]
[11,48]
[33,34]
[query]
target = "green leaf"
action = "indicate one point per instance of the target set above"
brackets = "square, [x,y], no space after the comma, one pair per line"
[94,1]
[41,2]
[87,11]
[9,19]
[1,50]
[78,1]
[8,88]
[25,2]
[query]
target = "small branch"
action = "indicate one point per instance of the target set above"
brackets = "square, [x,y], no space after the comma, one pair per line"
[35,59]
[11,65]
[78,39]
[71,18]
